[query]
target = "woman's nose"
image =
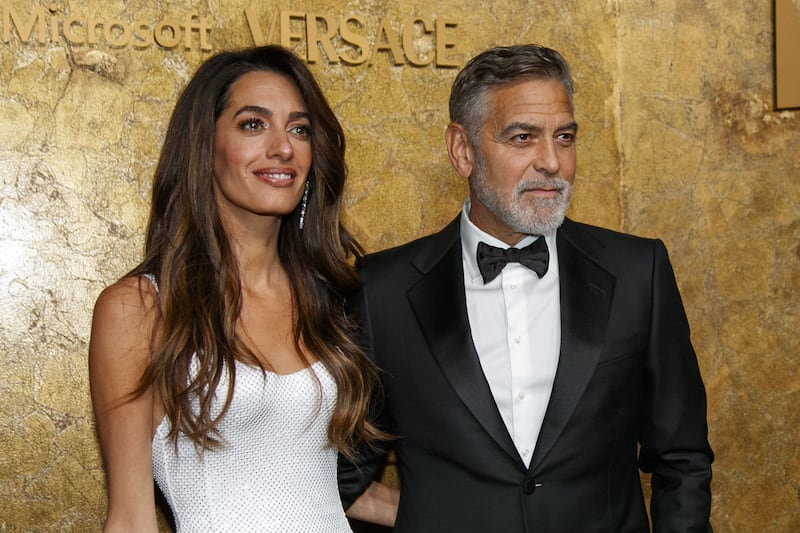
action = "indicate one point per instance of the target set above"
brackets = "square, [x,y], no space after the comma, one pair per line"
[279,146]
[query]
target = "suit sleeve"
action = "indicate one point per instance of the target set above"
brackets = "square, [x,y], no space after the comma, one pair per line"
[355,474]
[674,440]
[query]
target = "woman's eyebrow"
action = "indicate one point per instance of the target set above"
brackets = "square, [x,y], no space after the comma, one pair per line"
[265,112]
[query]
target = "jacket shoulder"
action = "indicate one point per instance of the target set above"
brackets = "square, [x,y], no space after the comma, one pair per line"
[573,229]
[602,240]
[418,253]
[617,252]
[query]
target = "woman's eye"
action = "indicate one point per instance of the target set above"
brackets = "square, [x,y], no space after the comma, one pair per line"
[301,131]
[251,124]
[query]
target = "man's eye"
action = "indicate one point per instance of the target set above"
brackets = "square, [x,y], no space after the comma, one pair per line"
[522,137]
[567,137]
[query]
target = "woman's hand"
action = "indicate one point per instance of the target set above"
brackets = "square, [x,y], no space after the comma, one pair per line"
[378,504]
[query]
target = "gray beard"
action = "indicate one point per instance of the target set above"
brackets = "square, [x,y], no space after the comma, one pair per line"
[532,216]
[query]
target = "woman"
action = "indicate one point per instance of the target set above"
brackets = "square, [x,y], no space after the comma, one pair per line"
[224,363]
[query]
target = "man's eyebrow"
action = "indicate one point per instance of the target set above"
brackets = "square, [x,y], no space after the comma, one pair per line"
[520,126]
[533,128]
[568,126]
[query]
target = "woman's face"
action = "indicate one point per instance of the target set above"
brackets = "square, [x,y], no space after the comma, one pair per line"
[262,147]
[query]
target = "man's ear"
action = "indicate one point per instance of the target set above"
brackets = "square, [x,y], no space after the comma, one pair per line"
[459,148]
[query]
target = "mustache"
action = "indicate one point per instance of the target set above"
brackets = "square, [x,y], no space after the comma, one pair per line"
[558,184]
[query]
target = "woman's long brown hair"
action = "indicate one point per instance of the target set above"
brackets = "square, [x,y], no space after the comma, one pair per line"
[189,253]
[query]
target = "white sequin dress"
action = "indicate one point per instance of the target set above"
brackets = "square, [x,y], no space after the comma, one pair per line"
[276,474]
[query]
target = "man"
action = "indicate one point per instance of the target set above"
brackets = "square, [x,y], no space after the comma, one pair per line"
[526,396]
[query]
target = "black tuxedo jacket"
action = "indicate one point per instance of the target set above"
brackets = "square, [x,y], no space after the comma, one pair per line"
[627,396]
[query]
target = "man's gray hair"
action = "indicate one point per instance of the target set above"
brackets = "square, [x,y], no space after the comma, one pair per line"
[497,67]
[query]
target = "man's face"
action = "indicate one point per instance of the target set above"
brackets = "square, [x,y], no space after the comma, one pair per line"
[524,164]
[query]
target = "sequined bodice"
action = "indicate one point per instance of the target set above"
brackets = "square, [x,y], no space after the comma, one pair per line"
[275,472]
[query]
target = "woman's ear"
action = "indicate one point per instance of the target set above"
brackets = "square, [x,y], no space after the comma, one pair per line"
[459,148]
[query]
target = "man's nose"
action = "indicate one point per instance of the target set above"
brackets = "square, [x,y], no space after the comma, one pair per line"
[546,158]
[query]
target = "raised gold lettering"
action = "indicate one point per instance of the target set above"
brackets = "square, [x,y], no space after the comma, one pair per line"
[122,36]
[255,28]
[359,42]
[409,42]
[444,43]
[70,22]
[44,25]
[420,40]
[200,24]
[166,33]
[24,29]
[390,43]
[142,34]
[91,30]
[325,41]
[287,35]
[53,23]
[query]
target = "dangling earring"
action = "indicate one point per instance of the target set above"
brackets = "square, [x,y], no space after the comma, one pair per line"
[304,205]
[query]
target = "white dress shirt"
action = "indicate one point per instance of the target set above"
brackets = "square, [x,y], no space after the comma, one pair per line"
[516,327]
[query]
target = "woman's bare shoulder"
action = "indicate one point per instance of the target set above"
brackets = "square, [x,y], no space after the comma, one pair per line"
[133,294]
[126,310]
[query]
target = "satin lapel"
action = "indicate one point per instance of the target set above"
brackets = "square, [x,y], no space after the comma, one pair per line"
[586,293]
[440,306]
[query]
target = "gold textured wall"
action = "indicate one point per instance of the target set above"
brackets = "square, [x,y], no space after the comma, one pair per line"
[678,140]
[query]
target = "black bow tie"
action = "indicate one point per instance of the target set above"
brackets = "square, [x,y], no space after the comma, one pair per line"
[492,260]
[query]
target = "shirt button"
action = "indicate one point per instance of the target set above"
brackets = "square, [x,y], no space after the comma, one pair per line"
[521,395]
[517,339]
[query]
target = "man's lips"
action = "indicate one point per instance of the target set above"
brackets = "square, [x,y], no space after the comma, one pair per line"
[545,192]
